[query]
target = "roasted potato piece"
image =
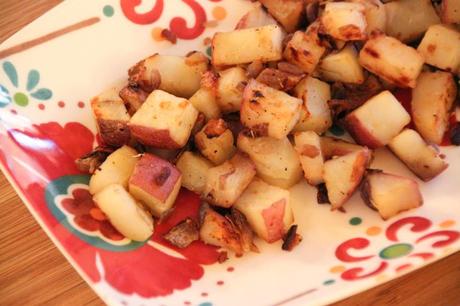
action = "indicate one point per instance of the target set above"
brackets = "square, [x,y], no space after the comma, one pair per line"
[375,13]
[125,214]
[315,114]
[390,194]
[431,101]
[407,20]
[279,79]
[376,122]
[304,49]
[342,66]
[247,45]
[205,99]
[111,118]
[156,183]
[194,169]
[289,13]
[342,176]
[391,60]
[276,161]
[308,146]
[240,222]
[267,209]
[133,97]
[441,47]
[257,17]
[226,182]
[168,69]
[230,86]
[116,169]
[450,11]
[163,121]
[331,147]
[422,159]
[91,161]
[215,141]
[219,231]
[344,20]
[267,111]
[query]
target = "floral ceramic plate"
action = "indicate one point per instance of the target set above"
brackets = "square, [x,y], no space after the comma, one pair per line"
[48,73]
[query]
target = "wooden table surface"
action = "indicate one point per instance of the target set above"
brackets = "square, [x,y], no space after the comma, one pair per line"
[33,271]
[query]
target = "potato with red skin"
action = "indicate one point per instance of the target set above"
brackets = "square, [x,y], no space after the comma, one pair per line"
[391,60]
[432,100]
[342,176]
[450,11]
[226,182]
[267,209]
[304,49]
[422,159]
[112,118]
[163,121]
[288,13]
[390,194]
[344,20]
[133,97]
[215,141]
[267,111]
[163,72]
[376,122]
[156,183]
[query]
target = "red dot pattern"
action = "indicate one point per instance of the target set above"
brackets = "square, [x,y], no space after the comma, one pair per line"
[230,269]
[81,104]
[204,294]
[14,112]
[61,104]
[41,106]
[220,283]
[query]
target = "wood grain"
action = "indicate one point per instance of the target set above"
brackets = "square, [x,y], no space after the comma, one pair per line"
[33,271]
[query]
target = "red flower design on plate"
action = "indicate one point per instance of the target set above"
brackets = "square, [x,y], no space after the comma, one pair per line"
[397,249]
[37,155]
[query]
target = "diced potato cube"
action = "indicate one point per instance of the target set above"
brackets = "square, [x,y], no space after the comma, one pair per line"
[133,97]
[248,45]
[256,17]
[308,146]
[441,47]
[344,20]
[267,209]
[288,12]
[342,66]
[422,159]
[375,13]
[390,194]
[169,69]
[278,79]
[391,60]
[331,147]
[267,111]
[230,86]
[342,176]
[194,169]
[304,49]
[219,231]
[276,161]
[407,20]
[450,11]
[205,100]
[376,122]
[116,169]
[226,182]
[215,141]
[125,214]
[163,121]
[432,100]
[156,183]
[111,118]
[315,114]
